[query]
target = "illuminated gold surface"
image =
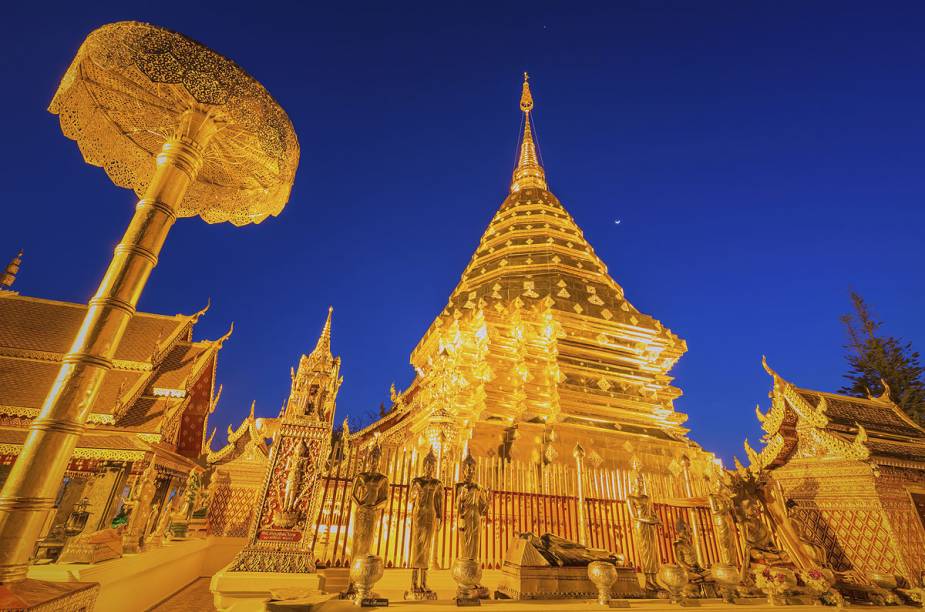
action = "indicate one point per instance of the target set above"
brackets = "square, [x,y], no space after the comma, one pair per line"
[282,528]
[852,467]
[9,274]
[538,349]
[115,97]
[122,95]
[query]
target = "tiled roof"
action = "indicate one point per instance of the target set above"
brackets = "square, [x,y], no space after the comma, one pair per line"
[145,414]
[33,324]
[908,450]
[24,384]
[874,415]
[35,334]
[106,439]
[182,360]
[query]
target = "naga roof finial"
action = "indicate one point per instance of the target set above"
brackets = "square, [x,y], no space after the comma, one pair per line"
[9,275]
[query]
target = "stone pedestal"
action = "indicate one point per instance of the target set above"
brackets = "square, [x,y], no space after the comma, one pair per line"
[252,590]
[93,548]
[525,582]
[41,595]
[528,574]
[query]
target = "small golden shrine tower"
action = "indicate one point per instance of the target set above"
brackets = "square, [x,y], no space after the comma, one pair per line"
[280,535]
[538,348]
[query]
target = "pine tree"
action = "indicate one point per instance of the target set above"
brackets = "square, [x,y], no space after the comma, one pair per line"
[874,357]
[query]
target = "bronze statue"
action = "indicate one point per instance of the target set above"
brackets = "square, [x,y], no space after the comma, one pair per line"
[140,502]
[157,535]
[751,517]
[645,522]
[720,512]
[560,552]
[683,547]
[426,514]
[762,512]
[150,523]
[370,491]
[291,494]
[471,505]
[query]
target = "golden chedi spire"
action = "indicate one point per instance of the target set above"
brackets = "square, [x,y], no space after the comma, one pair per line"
[539,332]
[529,172]
[9,275]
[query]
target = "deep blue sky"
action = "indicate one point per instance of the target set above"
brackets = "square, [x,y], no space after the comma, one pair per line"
[764,158]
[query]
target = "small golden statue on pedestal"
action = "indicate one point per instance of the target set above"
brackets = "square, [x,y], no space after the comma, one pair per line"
[291,494]
[370,491]
[179,520]
[140,503]
[720,514]
[426,515]
[156,536]
[699,583]
[759,541]
[471,505]
[645,522]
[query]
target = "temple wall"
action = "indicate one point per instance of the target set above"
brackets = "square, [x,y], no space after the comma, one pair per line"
[864,522]
[894,487]
[233,505]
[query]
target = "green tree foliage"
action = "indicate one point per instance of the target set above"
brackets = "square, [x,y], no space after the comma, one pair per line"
[874,357]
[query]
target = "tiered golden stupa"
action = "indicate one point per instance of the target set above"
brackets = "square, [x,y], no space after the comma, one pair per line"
[538,348]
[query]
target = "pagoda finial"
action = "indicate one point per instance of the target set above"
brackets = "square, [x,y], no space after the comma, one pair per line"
[9,275]
[529,172]
[324,340]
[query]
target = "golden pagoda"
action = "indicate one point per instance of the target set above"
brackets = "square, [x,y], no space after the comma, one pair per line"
[538,348]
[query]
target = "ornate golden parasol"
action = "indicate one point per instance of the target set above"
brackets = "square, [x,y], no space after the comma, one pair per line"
[192,134]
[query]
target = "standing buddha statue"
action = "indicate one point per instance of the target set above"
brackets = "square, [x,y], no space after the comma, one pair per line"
[426,516]
[471,506]
[645,522]
[370,491]
[720,513]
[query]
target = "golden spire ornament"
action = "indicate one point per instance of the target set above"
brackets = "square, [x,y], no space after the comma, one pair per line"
[324,340]
[9,275]
[529,172]
[193,135]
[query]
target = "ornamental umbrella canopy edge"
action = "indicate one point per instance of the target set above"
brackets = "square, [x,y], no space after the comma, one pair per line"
[121,99]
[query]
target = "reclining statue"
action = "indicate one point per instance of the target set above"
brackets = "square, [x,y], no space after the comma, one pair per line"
[560,552]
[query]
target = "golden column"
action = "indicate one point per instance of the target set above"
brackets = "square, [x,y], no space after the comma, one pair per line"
[193,135]
[691,513]
[579,454]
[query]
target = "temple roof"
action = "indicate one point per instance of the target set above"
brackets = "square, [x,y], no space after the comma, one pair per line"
[876,415]
[154,370]
[248,439]
[48,326]
[807,423]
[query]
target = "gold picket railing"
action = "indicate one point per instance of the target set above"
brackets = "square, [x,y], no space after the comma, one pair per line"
[522,498]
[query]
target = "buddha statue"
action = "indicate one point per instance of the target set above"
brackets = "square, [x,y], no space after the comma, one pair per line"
[426,515]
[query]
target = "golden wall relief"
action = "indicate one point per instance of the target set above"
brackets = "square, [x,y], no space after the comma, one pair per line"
[231,510]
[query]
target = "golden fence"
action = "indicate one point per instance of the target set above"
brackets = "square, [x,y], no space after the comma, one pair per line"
[522,497]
